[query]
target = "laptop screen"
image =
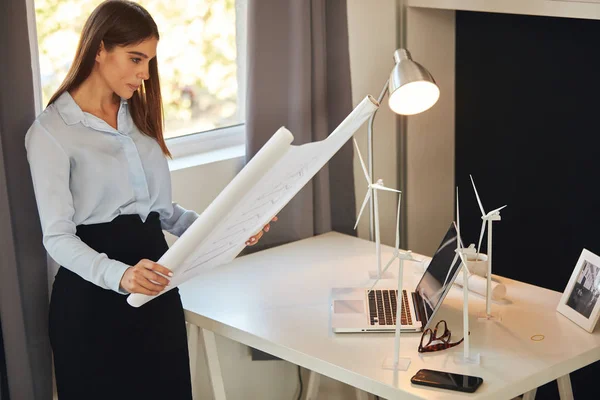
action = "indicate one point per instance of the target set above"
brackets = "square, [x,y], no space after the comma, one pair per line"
[440,273]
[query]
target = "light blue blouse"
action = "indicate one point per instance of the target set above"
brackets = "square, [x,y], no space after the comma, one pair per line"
[86,172]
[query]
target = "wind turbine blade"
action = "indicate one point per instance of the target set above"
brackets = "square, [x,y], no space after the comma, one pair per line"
[362,163]
[388,265]
[464,262]
[413,259]
[496,210]
[398,222]
[460,246]
[381,187]
[480,237]
[459,253]
[458,219]
[362,208]
[477,195]
[457,214]
[375,283]
[382,272]
[450,270]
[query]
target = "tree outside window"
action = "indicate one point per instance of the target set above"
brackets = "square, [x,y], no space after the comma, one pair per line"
[197,57]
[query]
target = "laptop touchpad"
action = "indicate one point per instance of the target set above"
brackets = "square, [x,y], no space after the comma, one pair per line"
[348,307]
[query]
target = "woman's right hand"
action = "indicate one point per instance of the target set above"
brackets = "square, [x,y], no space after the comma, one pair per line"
[145,278]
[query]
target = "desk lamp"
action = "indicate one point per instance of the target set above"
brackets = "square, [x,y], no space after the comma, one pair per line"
[412,90]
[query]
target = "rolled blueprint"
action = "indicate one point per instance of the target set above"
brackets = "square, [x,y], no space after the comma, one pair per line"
[478,284]
[256,194]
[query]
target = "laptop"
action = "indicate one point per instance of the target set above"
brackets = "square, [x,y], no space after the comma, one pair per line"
[360,310]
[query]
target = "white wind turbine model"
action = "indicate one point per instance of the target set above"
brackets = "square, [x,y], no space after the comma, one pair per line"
[490,217]
[400,364]
[372,191]
[461,252]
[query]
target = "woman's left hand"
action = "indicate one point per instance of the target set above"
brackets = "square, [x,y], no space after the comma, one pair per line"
[255,238]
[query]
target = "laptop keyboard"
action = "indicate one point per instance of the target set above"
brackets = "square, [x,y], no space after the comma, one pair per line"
[382,307]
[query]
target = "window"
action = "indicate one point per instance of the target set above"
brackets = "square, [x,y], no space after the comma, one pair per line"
[201,57]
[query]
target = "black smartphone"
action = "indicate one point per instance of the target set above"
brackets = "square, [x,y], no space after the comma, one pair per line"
[446,380]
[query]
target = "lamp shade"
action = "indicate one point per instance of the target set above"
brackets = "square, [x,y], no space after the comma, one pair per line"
[412,88]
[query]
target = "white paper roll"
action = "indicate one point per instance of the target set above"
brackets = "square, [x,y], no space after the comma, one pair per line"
[478,285]
[257,193]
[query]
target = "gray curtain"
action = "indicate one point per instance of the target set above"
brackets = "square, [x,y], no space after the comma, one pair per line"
[23,267]
[3,376]
[299,77]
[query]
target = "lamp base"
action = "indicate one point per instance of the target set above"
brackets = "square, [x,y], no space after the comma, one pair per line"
[473,359]
[485,317]
[403,364]
[384,275]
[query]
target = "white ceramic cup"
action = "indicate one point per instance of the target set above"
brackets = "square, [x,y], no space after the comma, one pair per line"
[477,264]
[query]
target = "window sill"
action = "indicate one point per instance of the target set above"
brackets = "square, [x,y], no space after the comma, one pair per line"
[208,157]
[207,147]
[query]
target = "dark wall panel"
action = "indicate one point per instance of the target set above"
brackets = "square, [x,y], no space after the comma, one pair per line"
[528,129]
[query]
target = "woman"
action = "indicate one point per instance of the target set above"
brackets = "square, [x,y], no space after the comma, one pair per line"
[102,184]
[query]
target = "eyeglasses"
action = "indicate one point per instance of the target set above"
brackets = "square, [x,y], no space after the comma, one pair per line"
[430,336]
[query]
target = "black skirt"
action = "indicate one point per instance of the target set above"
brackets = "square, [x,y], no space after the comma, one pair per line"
[103,347]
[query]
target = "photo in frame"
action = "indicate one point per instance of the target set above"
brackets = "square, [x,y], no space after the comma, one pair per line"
[580,301]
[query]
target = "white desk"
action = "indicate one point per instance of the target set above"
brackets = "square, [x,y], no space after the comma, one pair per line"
[278,301]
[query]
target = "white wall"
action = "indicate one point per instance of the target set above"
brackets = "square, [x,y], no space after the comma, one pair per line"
[372,35]
[429,187]
[430,135]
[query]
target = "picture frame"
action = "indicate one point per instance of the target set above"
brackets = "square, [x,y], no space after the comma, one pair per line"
[580,301]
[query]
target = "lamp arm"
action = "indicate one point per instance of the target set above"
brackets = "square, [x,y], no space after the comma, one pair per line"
[370,154]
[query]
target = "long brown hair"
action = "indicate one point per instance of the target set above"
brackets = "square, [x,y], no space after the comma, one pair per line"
[121,23]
